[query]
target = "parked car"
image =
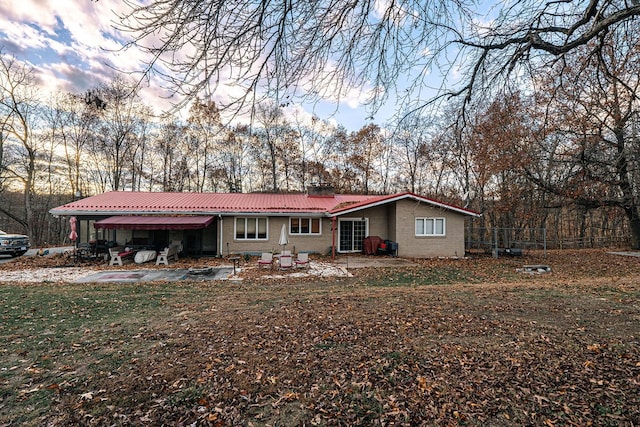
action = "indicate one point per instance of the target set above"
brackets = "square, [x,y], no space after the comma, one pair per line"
[13,244]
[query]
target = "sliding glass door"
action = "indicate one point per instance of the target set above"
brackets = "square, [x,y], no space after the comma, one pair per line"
[351,233]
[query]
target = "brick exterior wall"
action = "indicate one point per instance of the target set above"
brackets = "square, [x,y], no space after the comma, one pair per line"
[394,221]
[412,246]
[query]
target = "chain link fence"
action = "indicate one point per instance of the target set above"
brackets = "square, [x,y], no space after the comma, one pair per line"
[517,241]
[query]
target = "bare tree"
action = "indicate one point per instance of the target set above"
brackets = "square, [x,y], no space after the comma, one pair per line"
[204,131]
[270,137]
[4,171]
[231,162]
[139,172]
[74,124]
[412,142]
[313,136]
[290,159]
[595,106]
[19,123]
[167,144]
[121,121]
[299,48]
[366,148]
[343,175]
[306,136]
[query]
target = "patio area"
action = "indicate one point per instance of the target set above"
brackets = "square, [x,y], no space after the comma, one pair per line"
[58,266]
[151,275]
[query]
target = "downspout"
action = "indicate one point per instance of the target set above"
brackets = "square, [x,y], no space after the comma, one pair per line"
[333,238]
[220,236]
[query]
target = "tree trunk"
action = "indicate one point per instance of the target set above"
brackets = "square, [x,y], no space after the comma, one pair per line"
[634,224]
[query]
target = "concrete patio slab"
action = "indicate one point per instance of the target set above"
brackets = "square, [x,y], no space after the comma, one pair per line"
[361,261]
[132,276]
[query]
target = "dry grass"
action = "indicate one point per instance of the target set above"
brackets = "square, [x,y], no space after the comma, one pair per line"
[466,342]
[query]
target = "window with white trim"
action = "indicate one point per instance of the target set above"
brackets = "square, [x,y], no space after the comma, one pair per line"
[251,228]
[311,226]
[430,227]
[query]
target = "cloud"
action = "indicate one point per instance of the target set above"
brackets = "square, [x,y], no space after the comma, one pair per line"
[73,46]
[29,11]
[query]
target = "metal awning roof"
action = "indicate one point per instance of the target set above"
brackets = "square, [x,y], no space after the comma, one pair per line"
[154,222]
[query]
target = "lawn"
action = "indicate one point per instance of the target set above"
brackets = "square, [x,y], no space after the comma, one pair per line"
[469,342]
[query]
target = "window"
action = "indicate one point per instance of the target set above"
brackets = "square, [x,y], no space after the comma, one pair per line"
[430,227]
[251,228]
[304,226]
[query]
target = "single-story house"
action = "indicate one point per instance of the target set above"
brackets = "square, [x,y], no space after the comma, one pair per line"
[235,223]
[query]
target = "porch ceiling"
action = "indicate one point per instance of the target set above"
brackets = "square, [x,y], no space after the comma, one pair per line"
[155,222]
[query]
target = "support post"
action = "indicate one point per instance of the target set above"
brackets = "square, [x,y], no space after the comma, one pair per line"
[333,238]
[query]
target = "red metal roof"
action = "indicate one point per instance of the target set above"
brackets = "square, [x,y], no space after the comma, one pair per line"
[127,202]
[203,203]
[154,222]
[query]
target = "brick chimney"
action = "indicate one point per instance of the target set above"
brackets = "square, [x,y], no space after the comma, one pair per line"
[320,190]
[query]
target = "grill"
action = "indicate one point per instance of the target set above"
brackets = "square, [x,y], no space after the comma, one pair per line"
[22,242]
[14,242]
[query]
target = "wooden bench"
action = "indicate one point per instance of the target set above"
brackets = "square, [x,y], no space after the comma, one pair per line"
[118,254]
[170,252]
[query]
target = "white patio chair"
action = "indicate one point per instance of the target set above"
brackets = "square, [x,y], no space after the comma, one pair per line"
[286,262]
[266,260]
[302,260]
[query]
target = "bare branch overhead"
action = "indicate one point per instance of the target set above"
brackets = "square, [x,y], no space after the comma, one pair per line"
[314,49]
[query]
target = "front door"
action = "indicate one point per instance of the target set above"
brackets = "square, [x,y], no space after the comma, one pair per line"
[351,233]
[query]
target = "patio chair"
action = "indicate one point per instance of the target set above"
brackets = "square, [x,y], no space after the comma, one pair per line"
[266,260]
[286,262]
[302,260]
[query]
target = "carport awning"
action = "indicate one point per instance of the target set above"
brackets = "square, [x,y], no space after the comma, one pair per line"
[154,222]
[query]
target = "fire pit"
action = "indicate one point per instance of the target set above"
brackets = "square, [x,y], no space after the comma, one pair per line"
[200,271]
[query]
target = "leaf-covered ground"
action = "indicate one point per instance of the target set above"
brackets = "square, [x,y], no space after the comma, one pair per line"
[446,342]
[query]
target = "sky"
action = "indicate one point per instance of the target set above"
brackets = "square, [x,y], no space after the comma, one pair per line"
[72,46]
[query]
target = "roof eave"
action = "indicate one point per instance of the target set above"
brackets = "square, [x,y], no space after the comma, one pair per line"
[347,210]
[79,212]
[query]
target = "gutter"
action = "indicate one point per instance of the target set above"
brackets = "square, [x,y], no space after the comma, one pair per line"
[220,238]
[58,213]
[334,229]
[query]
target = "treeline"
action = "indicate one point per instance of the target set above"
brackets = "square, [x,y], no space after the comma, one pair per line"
[565,161]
